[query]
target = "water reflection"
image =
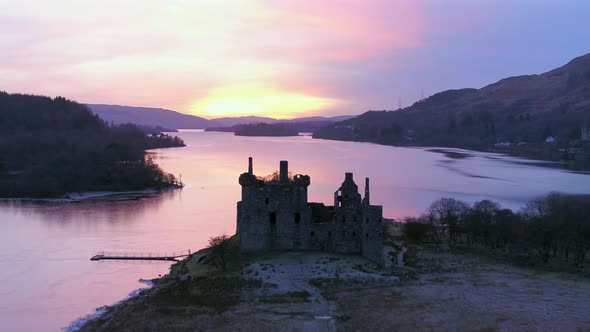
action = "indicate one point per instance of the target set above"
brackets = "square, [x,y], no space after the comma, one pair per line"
[110,210]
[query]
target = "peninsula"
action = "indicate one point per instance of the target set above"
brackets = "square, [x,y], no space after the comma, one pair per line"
[50,147]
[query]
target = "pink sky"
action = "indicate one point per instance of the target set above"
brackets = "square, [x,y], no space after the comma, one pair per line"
[275,58]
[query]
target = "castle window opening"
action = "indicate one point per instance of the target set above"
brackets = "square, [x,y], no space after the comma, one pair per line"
[297,217]
[272,218]
[266,201]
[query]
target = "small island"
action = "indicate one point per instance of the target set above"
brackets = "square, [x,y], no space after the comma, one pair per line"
[285,128]
[50,147]
[265,129]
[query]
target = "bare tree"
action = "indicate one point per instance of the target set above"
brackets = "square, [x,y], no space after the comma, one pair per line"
[447,215]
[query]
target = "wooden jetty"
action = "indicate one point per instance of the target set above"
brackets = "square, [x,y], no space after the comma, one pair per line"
[113,255]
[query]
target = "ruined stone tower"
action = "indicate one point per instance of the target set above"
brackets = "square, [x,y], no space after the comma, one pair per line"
[274,215]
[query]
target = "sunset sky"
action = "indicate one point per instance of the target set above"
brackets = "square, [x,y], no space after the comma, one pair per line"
[279,58]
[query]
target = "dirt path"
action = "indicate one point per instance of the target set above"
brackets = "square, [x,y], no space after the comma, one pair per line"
[292,272]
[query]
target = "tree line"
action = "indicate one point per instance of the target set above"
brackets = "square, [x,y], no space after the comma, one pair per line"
[52,146]
[551,230]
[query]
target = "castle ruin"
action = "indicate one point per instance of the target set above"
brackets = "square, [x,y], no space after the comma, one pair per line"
[274,214]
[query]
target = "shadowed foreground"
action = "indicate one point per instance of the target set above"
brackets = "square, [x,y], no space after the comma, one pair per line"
[327,292]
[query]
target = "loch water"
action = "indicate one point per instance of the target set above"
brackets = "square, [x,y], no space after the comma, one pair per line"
[47,279]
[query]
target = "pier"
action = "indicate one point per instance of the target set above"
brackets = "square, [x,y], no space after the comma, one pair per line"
[114,255]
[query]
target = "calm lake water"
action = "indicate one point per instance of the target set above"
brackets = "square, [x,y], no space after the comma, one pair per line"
[47,279]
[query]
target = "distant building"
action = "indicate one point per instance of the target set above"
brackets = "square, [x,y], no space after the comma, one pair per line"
[550,139]
[274,214]
[585,133]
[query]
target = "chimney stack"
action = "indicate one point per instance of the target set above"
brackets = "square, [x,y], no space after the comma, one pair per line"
[367,196]
[284,171]
[250,166]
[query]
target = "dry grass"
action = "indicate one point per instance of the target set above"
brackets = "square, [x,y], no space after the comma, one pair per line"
[446,291]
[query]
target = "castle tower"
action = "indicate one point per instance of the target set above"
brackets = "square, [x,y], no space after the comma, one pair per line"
[273,214]
[346,230]
[284,171]
[349,192]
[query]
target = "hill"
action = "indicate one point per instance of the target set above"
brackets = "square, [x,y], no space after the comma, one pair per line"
[517,111]
[53,146]
[146,116]
[159,117]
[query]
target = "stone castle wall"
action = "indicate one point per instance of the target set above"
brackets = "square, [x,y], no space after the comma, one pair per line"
[275,215]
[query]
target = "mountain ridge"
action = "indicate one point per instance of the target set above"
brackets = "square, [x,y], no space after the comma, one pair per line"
[521,110]
[161,117]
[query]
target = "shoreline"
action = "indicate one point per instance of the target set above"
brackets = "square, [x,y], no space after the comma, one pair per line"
[99,312]
[77,197]
[527,159]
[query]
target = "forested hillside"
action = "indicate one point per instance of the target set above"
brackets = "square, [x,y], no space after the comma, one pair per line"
[49,147]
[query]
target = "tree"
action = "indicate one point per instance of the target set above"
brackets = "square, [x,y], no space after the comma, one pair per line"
[223,251]
[415,229]
[447,215]
[482,219]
